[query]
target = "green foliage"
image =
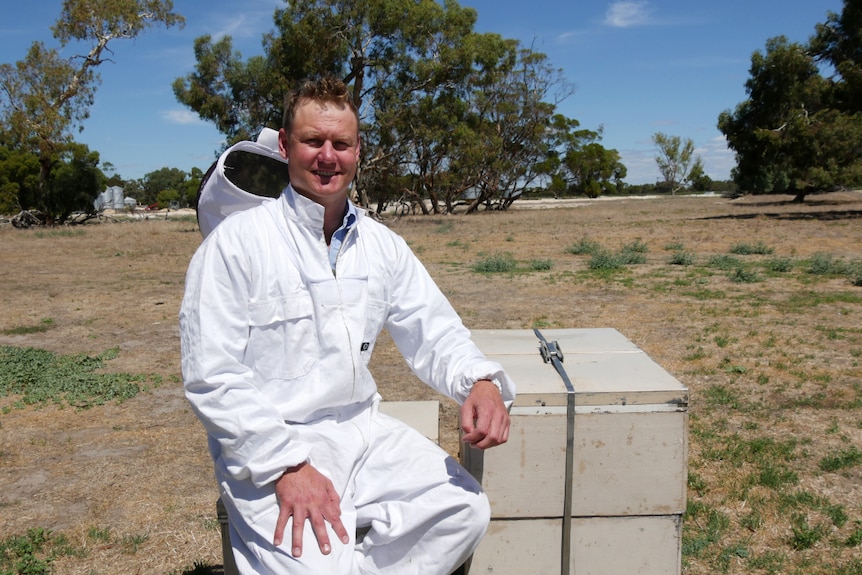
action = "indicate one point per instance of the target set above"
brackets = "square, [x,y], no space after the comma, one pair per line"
[19,179]
[630,257]
[74,183]
[166,197]
[131,543]
[770,562]
[41,327]
[579,165]
[33,553]
[604,260]
[822,264]
[445,228]
[495,263]
[163,186]
[804,535]
[98,534]
[41,377]
[841,459]
[681,258]
[585,246]
[541,265]
[417,59]
[636,246]
[676,160]
[634,253]
[724,262]
[743,275]
[723,396]
[775,476]
[47,95]
[709,526]
[779,264]
[746,249]
[792,133]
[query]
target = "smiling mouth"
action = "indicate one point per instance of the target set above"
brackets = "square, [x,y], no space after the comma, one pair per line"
[326,173]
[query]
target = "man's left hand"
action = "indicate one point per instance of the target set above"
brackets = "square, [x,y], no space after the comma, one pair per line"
[484,418]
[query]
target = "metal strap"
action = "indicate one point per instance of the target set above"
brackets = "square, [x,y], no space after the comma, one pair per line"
[551,353]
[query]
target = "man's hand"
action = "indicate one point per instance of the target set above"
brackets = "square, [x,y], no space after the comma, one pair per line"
[484,418]
[306,494]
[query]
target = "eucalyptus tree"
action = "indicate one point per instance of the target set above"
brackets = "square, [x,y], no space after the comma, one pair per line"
[577,163]
[19,178]
[514,102]
[798,131]
[676,160]
[75,181]
[46,96]
[838,42]
[444,109]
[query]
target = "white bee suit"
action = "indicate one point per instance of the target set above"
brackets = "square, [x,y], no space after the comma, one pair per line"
[275,351]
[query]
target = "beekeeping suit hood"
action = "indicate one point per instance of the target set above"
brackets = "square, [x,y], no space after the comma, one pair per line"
[245,175]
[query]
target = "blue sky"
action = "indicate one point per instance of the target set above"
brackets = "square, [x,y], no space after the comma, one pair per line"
[638,67]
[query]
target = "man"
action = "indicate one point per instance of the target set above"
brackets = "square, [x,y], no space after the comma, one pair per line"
[282,307]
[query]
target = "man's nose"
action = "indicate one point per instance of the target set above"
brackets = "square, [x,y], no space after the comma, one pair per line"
[327,152]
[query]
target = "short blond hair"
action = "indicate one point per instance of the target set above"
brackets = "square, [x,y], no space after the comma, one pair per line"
[325,89]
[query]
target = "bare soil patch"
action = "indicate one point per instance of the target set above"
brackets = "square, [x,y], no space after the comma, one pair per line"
[140,469]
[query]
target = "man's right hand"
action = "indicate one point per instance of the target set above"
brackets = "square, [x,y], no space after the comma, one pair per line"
[306,494]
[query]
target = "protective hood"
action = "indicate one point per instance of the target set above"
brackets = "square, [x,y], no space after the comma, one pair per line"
[246,175]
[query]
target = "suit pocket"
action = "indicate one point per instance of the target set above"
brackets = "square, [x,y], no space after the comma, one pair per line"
[282,343]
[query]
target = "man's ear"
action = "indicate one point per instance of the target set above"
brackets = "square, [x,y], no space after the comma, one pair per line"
[282,143]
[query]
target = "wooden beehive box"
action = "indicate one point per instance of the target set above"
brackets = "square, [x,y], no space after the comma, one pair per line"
[591,481]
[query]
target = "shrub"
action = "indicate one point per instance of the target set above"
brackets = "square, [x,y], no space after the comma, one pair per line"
[744,249]
[495,263]
[605,261]
[585,247]
[744,276]
[681,258]
[724,262]
[637,246]
[827,264]
[629,257]
[541,265]
[779,264]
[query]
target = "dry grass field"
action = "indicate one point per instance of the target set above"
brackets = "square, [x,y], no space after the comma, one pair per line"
[768,339]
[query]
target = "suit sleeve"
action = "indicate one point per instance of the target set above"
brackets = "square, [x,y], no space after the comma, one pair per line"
[249,438]
[431,336]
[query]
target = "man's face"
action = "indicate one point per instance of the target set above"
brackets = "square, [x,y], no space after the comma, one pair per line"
[322,151]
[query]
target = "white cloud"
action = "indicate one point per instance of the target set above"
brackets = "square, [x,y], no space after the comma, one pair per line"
[626,13]
[182,117]
[717,158]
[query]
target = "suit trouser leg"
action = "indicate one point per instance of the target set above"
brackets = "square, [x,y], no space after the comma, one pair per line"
[426,513]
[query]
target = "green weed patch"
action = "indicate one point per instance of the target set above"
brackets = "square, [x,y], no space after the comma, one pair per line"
[42,377]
